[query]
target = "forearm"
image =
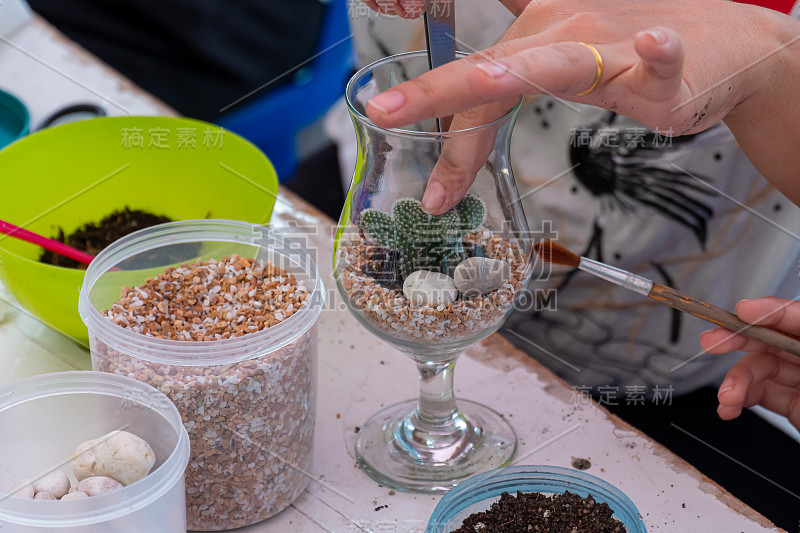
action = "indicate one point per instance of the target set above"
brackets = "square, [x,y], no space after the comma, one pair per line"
[766,122]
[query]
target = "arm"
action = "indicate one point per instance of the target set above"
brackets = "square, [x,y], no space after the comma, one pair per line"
[766,122]
[711,60]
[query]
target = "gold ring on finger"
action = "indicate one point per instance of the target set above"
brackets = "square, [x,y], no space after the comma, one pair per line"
[599,72]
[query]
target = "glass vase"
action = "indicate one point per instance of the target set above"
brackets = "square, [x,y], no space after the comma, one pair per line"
[431,286]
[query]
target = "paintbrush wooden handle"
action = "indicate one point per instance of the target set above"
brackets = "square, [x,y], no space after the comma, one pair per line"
[683,302]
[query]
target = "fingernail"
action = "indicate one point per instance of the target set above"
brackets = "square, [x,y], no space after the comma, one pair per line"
[387,102]
[727,385]
[740,302]
[659,36]
[493,70]
[434,197]
[703,335]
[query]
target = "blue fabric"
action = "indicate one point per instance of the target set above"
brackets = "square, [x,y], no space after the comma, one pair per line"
[273,121]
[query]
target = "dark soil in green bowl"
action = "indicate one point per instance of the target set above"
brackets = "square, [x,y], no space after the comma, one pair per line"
[92,238]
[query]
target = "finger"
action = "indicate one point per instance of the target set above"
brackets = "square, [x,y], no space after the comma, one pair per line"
[770,311]
[515,6]
[779,399]
[752,369]
[761,379]
[431,89]
[720,340]
[658,76]
[460,161]
[559,69]
[782,400]
[427,95]
[728,412]
[736,390]
[462,157]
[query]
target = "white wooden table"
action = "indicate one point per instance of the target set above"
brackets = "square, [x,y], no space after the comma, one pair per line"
[359,374]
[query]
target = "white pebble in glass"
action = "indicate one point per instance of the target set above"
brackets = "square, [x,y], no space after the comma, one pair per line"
[424,287]
[480,275]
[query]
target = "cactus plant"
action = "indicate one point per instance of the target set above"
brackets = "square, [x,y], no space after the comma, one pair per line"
[425,242]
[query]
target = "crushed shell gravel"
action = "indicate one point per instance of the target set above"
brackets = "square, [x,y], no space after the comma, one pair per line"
[250,423]
[389,310]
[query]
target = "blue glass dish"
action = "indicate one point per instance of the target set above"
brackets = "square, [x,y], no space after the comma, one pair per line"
[479,492]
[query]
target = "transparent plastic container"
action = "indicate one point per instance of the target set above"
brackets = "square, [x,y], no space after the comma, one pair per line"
[478,493]
[248,402]
[44,418]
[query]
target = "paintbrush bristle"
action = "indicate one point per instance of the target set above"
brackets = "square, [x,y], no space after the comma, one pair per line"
[554,253]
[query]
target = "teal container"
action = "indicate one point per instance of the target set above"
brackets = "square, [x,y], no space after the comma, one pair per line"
[15,121]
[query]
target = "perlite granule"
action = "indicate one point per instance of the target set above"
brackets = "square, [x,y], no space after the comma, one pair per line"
[251,422]
[391,312]
[210,300]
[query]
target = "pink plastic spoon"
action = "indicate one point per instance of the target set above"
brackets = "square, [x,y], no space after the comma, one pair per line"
[48,244]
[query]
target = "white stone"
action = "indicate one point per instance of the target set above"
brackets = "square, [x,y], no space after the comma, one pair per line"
[95,485]
[24,489]
[75,495]
[119,455]
[424,287]
[480,275]
[55,483]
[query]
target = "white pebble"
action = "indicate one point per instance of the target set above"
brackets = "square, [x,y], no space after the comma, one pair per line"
[55,483]
[93,486]
[424,287]
[119,455]
[480,275]
[24,489]
[75,495]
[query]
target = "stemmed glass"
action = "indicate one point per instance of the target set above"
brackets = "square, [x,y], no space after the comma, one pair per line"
[430,285]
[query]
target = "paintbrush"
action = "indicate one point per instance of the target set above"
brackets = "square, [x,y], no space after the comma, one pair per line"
[555,253]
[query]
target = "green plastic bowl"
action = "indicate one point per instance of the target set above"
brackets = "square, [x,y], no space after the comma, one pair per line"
[77,173]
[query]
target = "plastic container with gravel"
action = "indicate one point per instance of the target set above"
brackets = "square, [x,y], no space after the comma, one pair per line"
[43,419]
[221,317]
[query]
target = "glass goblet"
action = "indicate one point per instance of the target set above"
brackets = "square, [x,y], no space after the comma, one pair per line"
[431,286]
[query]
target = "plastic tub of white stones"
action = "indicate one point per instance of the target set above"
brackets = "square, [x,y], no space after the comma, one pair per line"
[220,316]
[44,418]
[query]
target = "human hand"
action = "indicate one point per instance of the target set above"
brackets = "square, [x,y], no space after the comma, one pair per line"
[667,64]
[766,376]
